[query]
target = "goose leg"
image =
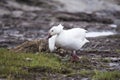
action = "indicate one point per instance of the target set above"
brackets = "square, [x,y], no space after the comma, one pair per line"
[74,57]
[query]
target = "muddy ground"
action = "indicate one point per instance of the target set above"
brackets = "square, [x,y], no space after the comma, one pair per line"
[22,21]
[28,20]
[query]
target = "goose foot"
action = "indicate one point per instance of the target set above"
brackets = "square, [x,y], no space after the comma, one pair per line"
[74,57]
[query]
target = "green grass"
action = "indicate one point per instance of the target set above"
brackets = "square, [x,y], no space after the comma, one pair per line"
[97,75]
[24,63]
[86,73]
[107,75]
[17,65]
[82,73]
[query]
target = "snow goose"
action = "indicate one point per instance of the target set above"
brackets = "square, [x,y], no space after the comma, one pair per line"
[71,39]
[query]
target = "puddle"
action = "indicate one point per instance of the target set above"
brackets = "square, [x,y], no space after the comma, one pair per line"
[113,64]
[98,34]
[113,25]
[87,5]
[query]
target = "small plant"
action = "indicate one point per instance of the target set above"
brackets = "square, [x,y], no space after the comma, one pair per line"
[106,60]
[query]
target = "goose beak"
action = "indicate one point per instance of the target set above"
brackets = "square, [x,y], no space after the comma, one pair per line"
[48,36]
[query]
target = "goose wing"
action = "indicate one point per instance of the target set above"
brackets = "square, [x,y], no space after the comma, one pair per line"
[77,33]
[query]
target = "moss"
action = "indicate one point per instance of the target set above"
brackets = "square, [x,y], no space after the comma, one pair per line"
[106,60]
[82,73]
[84,63]
[86,73]
[12,63]
[107,75]
[118,51]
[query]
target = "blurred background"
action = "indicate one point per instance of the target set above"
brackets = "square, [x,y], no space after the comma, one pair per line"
[22,20]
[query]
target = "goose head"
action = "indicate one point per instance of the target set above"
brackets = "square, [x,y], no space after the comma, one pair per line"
[55,30]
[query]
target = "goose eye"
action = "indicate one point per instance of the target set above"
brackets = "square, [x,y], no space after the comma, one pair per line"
[52,31]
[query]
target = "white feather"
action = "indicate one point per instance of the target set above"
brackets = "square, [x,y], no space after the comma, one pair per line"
[72,39]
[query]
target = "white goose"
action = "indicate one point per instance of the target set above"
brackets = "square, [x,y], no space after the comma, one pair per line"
[71,39]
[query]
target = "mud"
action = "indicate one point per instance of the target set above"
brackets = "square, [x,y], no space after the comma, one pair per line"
[21,20]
